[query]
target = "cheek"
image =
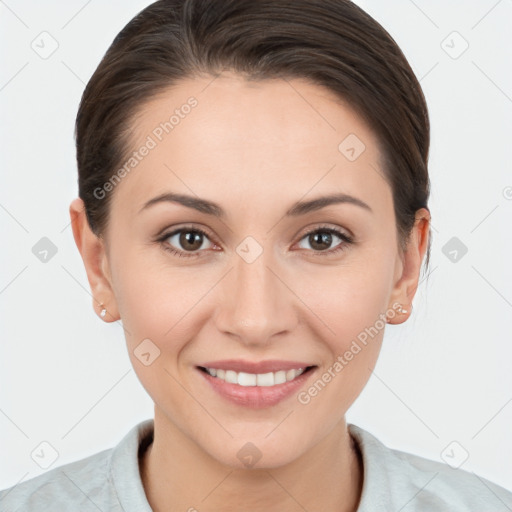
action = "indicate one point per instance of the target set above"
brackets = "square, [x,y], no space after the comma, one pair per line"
[351,302]
[352,328]
[162,313]
[349,298]
[163,308]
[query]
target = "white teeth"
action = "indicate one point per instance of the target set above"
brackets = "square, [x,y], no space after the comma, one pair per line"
[231,377]
[247,379]
[265,379]
[280,377]
[255,379]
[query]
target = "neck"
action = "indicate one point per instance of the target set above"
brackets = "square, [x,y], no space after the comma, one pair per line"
[178,475]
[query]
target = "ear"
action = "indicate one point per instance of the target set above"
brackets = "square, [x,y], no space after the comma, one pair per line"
[94,256]
[409,267]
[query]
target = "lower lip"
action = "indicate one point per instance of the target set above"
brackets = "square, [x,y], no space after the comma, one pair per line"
[256,397]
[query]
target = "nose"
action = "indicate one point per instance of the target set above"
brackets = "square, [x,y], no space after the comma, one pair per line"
[256,302]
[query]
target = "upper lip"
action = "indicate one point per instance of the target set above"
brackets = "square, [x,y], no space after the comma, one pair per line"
[239,365]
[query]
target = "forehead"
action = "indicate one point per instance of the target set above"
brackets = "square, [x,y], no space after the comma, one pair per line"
[229,137]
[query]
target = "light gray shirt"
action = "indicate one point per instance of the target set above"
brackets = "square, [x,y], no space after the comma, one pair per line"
[109,481]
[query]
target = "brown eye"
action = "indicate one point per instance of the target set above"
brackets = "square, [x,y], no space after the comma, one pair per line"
[321,240]
[185,240]
[190,240]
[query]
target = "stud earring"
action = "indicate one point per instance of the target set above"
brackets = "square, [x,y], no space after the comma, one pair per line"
[402,310]
[103,311]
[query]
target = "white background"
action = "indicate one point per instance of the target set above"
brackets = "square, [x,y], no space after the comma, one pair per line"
[442,376]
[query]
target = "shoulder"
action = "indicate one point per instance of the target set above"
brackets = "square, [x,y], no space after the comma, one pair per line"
[77,484]
[394,479]
[108,480]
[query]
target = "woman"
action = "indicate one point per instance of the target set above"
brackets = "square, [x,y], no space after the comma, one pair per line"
[253,202]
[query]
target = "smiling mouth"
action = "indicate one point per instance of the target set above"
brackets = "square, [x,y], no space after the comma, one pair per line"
[256,379]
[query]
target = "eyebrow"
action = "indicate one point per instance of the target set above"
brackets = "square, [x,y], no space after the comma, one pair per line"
[211,208]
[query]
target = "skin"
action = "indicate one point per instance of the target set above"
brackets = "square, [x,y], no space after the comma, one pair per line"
[255,148]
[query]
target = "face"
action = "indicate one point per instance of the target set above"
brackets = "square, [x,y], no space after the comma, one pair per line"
[257,277]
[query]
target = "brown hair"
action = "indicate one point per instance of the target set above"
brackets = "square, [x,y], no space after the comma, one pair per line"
[332,43]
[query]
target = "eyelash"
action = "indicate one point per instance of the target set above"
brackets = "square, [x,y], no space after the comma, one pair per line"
[347,240]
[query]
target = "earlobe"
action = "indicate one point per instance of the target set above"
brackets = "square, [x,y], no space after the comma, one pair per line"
[92,251]
[406,286]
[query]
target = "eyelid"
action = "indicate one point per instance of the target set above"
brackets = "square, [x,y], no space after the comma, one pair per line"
[327,227]
[167,232]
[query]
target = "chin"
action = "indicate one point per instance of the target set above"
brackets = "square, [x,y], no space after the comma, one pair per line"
[258,454]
